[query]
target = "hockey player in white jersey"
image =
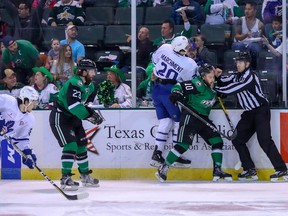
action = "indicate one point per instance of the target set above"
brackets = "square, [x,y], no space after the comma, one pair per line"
[171,66]
[16,120]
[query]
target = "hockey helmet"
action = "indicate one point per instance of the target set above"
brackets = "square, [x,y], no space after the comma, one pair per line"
[180,43]
[28,92]
[205,69]
[85,64]
[243,56]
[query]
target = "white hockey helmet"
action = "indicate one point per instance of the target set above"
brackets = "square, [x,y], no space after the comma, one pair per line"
[180,43]
[30,93]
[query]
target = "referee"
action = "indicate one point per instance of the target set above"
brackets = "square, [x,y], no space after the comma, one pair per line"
[256,118]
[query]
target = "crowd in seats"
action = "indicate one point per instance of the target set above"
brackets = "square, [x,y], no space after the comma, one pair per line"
[107,24]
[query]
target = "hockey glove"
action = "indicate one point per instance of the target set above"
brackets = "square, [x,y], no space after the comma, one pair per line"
[176,96]
[30,158]
[94,117]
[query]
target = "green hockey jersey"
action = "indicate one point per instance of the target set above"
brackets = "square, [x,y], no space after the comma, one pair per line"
[198,95]
[73,95]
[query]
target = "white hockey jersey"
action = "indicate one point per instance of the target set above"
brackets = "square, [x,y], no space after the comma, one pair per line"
[44,95]
[170,65]
[17,124]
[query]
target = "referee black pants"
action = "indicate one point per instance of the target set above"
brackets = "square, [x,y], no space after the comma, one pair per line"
[257,120]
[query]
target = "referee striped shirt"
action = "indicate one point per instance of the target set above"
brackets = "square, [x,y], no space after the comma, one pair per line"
[246,86]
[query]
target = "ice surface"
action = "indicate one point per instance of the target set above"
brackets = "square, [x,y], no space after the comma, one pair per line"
[145,198]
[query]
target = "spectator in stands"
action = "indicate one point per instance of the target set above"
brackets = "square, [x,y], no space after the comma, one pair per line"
[139,3]
[21,56]
[27,23]
[10,85]
[2,47]
[167,31]
[78,50]
[53,53]
[2,27]
[192,10]
[192,52]
[248,31]
[144,90]
[66,12]
[47,91]
[113,93]
[275,35]
[276,51]
[271,9]
[144,48]
[62,69]
[222,12]
[48,4]
[203,53]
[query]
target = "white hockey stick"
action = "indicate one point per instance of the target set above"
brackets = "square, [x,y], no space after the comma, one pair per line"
[69,197]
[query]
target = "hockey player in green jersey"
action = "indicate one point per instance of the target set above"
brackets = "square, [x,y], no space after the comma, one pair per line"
[66,124]
[199,96]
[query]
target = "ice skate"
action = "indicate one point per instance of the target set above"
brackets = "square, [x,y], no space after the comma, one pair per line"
[248,175]
[219,175]
[181,162]
[157,159]
[161,173]
[88,181]
[279,176]
[68,184]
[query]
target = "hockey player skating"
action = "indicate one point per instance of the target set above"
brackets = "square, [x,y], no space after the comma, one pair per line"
[171,65]
[255,119]
[66,124]
[17,120]
[200,98]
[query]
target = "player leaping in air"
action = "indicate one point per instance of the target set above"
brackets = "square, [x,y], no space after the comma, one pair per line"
[171,66]
[199,98]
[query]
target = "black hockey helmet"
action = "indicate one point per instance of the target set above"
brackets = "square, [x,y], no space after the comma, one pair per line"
[243,56]
[85,64]
[205,69]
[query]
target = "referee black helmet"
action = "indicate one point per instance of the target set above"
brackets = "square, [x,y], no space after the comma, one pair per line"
[243,56]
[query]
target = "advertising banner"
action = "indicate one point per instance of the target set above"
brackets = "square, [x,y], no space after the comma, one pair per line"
[126,140]
[11,162]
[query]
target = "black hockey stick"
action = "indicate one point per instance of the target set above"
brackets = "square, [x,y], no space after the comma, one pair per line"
[227,116]
[207,123]
[69,197]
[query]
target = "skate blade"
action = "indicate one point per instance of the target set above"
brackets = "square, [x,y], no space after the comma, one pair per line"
[281,179]
[154,163]
[159,178]
[251,178]
[90,185]
[69,188]
[180,165]
[218,179]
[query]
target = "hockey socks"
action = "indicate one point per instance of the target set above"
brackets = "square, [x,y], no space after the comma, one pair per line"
[82,159]
[68,156]
[176,152]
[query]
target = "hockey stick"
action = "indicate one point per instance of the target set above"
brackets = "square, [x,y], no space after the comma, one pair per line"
[69,197]
[205,122]
[227,116]
[238,164]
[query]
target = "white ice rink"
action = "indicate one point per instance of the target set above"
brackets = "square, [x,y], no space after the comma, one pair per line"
[145,198]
